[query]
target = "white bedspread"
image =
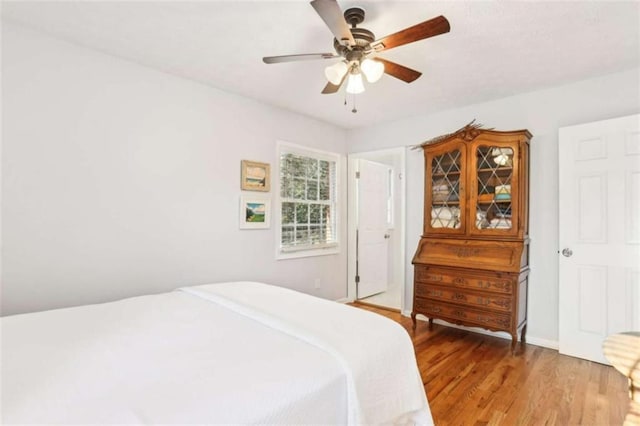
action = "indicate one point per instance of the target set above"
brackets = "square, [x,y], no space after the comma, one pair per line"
[209,355]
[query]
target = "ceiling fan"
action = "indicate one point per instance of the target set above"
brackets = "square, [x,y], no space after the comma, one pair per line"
[356,45]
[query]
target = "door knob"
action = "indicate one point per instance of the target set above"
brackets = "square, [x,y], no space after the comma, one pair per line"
[567,252]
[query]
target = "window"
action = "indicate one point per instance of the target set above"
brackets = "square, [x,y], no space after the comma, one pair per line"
[308,202]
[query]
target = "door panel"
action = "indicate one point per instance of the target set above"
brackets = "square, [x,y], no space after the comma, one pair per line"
[599,225]
[592,289]
[591,208]
[373,239]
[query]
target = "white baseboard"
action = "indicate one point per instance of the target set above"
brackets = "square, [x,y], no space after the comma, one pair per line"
[344,300]
[531,340]
[545,343]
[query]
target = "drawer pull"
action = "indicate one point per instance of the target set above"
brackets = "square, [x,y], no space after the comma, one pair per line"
[435,310]
[432,277]
[482,301]
[483,319]
[459,313]
[459,296]
[459,281]
[436,293]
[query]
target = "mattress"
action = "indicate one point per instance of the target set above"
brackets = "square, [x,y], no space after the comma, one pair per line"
[232,353]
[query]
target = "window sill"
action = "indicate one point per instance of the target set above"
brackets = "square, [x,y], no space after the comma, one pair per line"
[280,255]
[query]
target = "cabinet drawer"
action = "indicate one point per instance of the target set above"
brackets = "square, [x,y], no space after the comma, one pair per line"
[457,295]
[461,314]
[463,279]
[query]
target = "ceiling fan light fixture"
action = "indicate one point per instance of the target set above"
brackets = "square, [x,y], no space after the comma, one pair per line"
[372,70]
[335,73]
[355,85]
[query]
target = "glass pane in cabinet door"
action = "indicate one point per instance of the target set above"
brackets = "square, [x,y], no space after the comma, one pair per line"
[445,187]
[494,168]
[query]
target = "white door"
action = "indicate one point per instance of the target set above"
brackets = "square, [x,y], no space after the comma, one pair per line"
[599,229]
[373,226]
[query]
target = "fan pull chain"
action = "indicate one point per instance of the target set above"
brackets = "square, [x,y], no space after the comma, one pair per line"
[354,109]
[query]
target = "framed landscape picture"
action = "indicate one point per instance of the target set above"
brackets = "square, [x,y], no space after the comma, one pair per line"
[255,212]
[255,176]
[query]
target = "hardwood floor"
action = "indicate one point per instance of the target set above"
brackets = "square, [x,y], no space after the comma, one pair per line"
[472,379]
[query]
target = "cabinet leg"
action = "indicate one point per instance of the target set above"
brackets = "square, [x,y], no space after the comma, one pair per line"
[430,323]
[413,320]
[514,341]
[523,333]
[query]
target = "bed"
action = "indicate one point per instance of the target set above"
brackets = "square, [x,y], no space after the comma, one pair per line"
[227,353]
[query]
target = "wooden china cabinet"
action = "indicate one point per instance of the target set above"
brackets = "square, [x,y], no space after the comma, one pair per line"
[472,262]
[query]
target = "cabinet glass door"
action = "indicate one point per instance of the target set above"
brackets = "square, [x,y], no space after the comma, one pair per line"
[494,166]
[445,191]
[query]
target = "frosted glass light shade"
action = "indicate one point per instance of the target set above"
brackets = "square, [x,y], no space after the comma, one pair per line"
[336,72]
[372,70]
[354,85]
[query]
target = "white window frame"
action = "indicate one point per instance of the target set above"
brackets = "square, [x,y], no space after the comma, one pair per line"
[286,147]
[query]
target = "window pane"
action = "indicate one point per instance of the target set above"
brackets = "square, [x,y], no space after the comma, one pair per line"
[315,234]
[326,214]
[286,187]
[324,170]
[288,213]
[302,234]
[302,213]
[315,212]
[312,168]
[325,190]
[312,190]
[299,166]
[299,189]
[287,235]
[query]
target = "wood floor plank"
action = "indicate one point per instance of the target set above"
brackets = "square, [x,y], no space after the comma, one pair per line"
[473,379]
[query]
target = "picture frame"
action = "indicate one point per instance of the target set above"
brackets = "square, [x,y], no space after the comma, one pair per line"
[255,212]
[255,176]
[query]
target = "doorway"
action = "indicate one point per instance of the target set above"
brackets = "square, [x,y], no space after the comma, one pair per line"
[376,256]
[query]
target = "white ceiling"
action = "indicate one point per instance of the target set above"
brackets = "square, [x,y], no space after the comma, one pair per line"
[495,48]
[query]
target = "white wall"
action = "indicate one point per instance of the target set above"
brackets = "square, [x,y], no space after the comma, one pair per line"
[118,180]
[543,113]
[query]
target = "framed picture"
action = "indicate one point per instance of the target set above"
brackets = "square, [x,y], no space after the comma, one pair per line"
[255,176]
[255,212]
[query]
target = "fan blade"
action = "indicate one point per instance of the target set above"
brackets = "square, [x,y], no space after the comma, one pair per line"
[432,27]
[399,71]
[303,57]
[333,88]
[331,14]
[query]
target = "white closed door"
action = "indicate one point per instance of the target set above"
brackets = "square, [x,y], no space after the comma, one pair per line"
[599,230]
[373,227]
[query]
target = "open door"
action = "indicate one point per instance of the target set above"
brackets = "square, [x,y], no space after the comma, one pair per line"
[372,252]
[599,218]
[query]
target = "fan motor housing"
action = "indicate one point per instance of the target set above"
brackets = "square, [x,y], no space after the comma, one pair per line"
[362,36]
